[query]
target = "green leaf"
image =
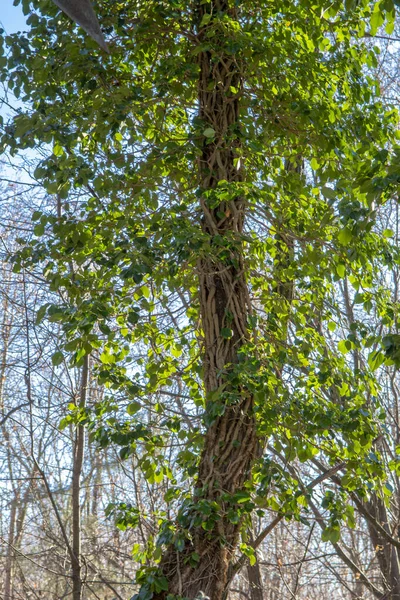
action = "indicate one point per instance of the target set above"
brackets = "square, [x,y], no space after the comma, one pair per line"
[226,332]
[38,230]
[388,233]
[41,314]
[329,193]
[57,358]
[377,19]
[331,534]
[205,19]
[58,150]
[133,408]
[241,497]
[376,359]
[341,270]
[344,346]
[161,584]
[345,236]
[209,132]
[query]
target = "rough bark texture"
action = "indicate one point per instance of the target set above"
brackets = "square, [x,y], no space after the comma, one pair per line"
[387,555]
[230,442]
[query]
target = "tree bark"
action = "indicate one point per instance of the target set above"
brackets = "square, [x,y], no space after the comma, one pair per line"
[254,576]
[79,449]
[8,574]
[230,444]
[386,553]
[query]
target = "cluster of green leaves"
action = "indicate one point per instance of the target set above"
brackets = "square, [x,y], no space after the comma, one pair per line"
[121,137]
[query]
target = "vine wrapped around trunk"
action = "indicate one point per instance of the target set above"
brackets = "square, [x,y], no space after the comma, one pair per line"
[230,443]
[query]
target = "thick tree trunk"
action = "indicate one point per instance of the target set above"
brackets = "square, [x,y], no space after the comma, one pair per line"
[230,443]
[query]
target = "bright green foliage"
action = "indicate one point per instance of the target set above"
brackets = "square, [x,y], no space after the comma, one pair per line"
[121,138]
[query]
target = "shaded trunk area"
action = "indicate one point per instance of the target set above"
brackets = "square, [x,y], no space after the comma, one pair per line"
[230,444]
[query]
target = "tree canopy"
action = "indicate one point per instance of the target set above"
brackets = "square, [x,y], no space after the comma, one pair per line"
[216,196]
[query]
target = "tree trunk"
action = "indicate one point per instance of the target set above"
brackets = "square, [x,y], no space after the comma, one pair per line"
[254,577]
[386,554]
[8,575]
[79,448]
[255,581]
[230,444]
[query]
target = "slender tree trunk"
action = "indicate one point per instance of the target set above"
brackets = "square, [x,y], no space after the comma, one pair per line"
[5,339]
[97,486]
[79,449]
[255,581]
[8,575]
[230,444]
[254,577]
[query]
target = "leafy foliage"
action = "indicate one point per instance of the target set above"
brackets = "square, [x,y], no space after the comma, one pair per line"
[120,138]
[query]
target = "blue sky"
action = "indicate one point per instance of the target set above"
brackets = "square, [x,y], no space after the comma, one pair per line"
[11,17]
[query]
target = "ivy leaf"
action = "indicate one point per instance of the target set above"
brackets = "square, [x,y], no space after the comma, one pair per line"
[41,314]
[377,19]
[133,408]
[38,230]
[226,333]
[57,358]
[209,132]
[341,270]
[345,236]
[331,534]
